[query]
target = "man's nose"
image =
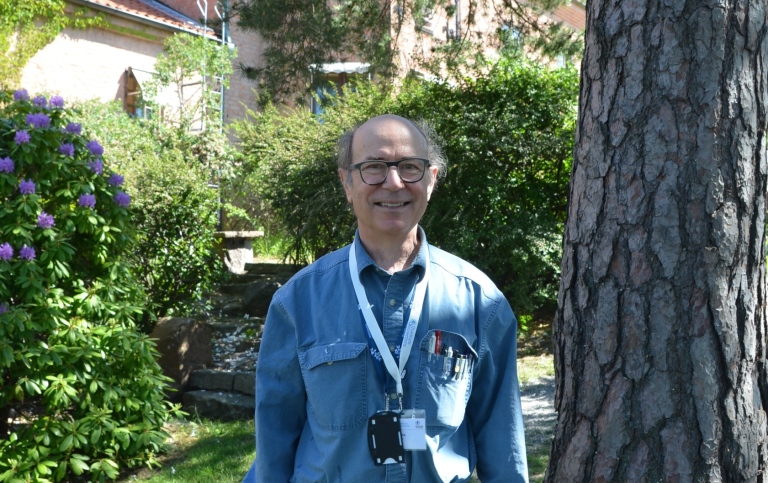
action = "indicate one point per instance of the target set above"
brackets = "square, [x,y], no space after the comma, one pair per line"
[393,179]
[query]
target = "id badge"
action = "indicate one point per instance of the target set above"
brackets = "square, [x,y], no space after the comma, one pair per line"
[413,425]
[385,441]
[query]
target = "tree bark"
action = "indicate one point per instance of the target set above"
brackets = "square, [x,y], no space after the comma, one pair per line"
[660,335]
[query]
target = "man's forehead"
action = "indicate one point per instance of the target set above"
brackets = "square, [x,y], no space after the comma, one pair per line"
[389,128]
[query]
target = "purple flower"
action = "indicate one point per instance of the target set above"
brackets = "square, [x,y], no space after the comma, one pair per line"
[95,148]
[87,201]
[27,253]
[21,137]
[122,199]
[38,120]
[21,95]
[40,101]
[57,101]
[73,128]
[67,149]
[96,166]
[6,251]
[6,165]
[3,309]
[45,220]
[115,180]
[27,187]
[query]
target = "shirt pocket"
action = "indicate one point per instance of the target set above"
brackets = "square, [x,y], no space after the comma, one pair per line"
[335,380]
[443,392]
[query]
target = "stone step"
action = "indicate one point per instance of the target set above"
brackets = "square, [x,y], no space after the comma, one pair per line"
[243,382]
[272,268]
[220,406]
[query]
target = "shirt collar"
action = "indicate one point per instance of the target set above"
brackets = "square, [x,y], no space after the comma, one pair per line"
[364,260]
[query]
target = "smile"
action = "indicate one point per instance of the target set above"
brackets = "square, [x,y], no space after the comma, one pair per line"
[391,205]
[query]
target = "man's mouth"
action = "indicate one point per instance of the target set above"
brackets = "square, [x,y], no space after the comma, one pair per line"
[392,205]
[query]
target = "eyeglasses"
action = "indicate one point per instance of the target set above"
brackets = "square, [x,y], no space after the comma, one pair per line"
[410,170]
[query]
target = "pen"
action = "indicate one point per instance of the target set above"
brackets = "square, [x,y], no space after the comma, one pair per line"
[432,343]
[438,342]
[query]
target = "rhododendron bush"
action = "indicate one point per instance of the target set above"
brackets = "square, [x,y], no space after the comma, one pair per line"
[80,390]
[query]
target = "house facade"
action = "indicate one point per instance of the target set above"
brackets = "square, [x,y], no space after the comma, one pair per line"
[113,61]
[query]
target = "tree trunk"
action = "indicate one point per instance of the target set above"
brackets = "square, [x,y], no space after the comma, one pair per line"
[660,335]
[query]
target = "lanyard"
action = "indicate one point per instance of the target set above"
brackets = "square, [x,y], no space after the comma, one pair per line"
[409,332]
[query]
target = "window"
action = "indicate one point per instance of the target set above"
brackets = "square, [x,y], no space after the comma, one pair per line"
[333,78]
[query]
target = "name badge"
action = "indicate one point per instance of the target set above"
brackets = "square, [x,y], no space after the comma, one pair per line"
[413,426]
[385,442]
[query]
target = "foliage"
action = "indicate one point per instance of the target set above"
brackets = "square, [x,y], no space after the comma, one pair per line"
[174,209]
[508,136]
[190,72]
[301,35]
[80,383]
[26,26]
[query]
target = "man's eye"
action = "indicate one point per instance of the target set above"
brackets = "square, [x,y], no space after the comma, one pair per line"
[410,167]
[373,168]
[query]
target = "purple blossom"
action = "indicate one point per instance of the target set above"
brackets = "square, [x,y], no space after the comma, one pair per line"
[45,220]
[122,199]
[115,180]
[21,137]
[57,101]
[38,120]
[21,95]
[87,201]
[3,309]
[6,251]
[40,101]
[27,253]
[97,166]
[95,148]
[73,128]
[6,165]
[27,187]
[67,149]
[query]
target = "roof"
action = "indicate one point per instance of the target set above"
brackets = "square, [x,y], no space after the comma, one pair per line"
[152,11]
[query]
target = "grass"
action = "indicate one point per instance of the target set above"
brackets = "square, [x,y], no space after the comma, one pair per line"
[203,452]
[210,451]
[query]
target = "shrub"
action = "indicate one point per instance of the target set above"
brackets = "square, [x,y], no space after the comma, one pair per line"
[508,137]
[175,211]
[79,383]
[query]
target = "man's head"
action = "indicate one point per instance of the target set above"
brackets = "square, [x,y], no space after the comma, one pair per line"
[388,209]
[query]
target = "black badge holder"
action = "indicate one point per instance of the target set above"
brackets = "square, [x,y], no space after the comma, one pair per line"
[385,441]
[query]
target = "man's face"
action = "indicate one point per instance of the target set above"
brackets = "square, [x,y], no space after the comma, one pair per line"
[391,210]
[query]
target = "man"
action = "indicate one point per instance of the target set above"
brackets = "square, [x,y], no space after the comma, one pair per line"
[389,360]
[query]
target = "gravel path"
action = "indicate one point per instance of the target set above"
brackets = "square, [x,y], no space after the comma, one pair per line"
[537,399]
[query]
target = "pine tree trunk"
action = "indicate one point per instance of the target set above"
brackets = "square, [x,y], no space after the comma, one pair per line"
[660,335]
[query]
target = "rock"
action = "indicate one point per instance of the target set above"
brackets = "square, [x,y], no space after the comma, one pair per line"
[245,382]
[257,295]
[184,346]
[220,406]
[212,380]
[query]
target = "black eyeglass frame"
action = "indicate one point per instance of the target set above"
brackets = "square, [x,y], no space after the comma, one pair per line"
[389,165]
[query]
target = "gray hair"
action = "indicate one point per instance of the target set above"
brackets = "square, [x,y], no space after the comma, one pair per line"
[434,151]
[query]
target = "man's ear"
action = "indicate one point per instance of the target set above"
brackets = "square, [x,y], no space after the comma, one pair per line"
[432,181]
[346,183]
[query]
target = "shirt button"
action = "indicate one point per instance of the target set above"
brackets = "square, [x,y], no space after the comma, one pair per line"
[392,302]
[391,348]
[330,363]
[393,395]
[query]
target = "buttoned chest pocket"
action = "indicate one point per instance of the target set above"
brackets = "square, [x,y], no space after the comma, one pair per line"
[335,380]
[445,380]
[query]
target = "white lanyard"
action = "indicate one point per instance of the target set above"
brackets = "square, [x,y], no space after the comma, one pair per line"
[373,327]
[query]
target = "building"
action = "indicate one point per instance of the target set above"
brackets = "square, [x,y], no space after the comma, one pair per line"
[112,61]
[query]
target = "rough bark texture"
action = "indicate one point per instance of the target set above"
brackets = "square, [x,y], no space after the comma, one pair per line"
[660,336]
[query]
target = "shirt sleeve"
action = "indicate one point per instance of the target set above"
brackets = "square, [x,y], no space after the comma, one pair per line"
[493,410]
[280,397]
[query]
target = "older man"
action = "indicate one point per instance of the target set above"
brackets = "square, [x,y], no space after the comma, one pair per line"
[388,360]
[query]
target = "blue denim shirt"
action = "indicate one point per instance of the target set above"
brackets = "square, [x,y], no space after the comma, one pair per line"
[316,383]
